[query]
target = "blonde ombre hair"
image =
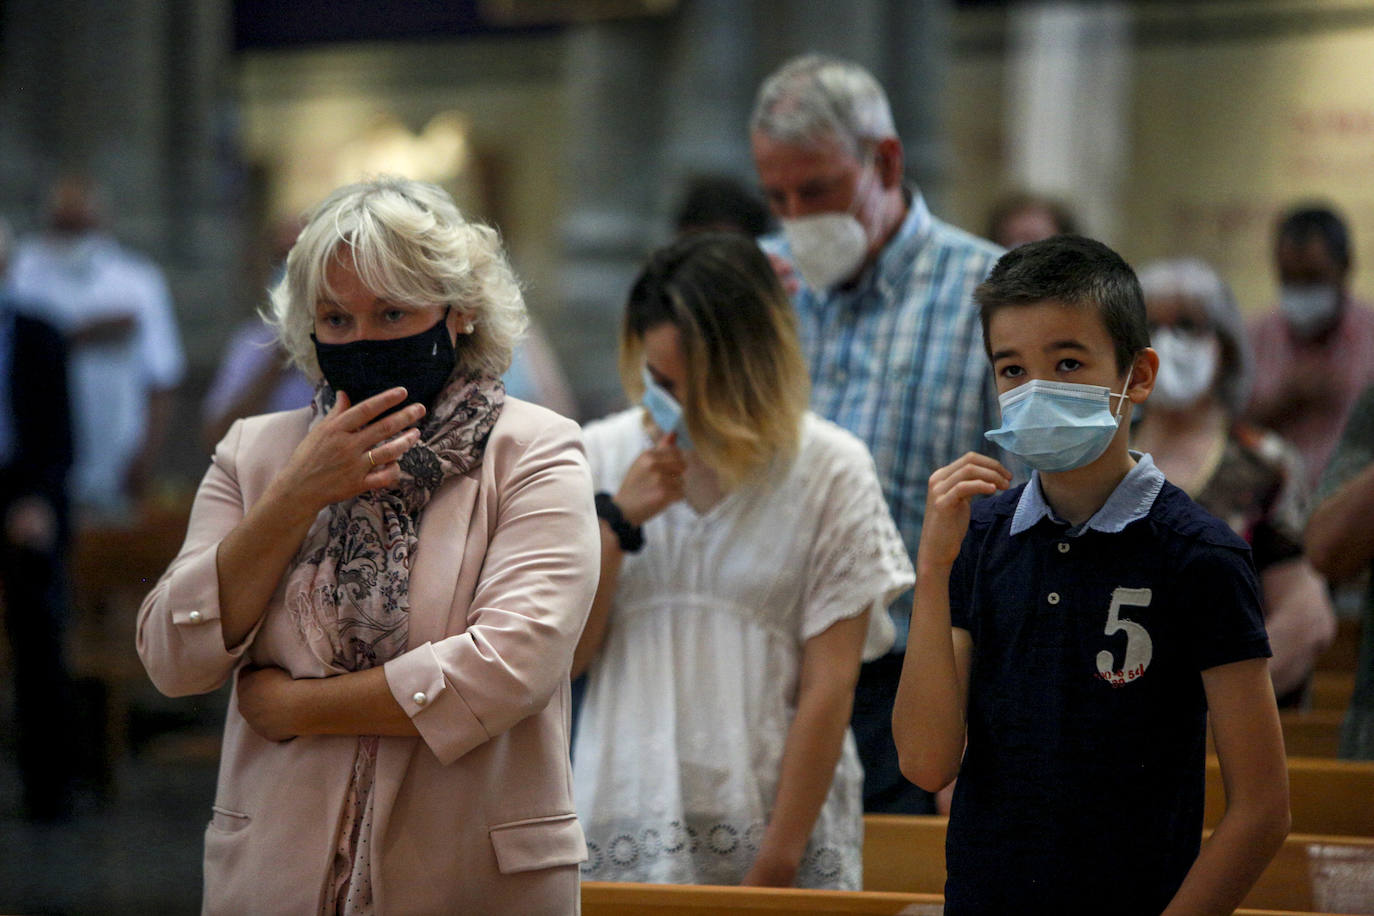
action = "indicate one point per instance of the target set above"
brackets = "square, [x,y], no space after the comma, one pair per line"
[412,247]
[747,386]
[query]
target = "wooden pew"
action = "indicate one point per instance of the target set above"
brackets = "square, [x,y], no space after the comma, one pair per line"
[1344,651]
[112,568]
[1326,795]
[1315,872]
[906,853]
[1332,689]
[615,899]
[1312,732]
[620,899]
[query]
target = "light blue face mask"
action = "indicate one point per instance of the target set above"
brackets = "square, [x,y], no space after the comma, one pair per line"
[1057,426]
[664,411]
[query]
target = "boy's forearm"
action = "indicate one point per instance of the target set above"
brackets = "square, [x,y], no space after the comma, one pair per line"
[928,715]
[1249,745]
[1232,860]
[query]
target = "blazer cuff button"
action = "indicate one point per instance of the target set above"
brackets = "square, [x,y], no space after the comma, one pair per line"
[420,698]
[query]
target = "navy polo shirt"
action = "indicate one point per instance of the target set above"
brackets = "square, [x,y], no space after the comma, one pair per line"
[1082,786]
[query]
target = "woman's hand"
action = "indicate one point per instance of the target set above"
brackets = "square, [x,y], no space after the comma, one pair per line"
[653,482]
[350,451]
[265,696]
[770,872]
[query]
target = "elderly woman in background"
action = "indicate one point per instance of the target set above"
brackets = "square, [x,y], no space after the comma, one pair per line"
[1246,476]
[745,550]
[398,575]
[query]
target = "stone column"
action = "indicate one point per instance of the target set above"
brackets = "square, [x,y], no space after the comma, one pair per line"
[710,93]
[1068,100]
[615,97]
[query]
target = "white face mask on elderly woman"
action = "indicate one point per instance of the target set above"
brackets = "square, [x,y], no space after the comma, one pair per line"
[1187,366]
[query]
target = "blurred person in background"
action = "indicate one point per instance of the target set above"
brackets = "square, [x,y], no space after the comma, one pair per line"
[1247,476]
[1022,217]
[747,558]
[35,457]
[1340,542]
[884,298]
[1317,348]
[535,375]
[113,307]
[721,203]
[255,375]
[395,579]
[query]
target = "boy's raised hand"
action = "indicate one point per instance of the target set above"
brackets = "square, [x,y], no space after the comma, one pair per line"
[948,495]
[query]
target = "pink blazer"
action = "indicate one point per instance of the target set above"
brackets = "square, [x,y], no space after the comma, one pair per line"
[476,815]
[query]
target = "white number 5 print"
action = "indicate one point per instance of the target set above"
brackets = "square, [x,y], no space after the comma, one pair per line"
[1139,647]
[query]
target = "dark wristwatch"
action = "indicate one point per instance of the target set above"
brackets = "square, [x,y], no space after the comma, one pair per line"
[631,537]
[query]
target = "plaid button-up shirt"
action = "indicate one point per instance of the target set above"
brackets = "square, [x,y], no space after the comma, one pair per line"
[897,359]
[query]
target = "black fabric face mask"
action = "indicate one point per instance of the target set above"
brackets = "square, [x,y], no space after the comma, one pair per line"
[421,363]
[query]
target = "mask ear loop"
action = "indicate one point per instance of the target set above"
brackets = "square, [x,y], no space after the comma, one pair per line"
[1116,415]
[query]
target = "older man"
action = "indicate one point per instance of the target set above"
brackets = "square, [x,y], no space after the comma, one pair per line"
[1317,347]
[883,293]
[115,311]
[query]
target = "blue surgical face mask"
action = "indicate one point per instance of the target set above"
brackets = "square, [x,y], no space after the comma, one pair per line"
[664,411]
[1057,426]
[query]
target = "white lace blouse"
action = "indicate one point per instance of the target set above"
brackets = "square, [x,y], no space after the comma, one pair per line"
[680,743]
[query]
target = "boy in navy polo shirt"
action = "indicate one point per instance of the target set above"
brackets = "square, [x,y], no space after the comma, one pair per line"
[1077,631]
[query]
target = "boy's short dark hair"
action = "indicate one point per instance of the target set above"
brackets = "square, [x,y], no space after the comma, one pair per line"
[1076,271]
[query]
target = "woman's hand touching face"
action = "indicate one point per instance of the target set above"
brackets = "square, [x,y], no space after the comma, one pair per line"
[350,451]
[653,482]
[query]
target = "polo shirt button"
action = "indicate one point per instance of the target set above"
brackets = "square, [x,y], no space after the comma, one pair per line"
[1053,598]
[1063,546]
[841,375]
[194,616]
[420,698]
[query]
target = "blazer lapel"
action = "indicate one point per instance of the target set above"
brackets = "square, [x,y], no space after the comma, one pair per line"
[438,572]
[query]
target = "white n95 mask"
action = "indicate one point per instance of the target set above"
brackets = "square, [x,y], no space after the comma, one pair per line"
[1309,308]
[1057,426]
[828,247]
[1187,367]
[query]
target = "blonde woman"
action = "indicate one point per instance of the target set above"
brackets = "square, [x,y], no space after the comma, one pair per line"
[744,543]
[395,578]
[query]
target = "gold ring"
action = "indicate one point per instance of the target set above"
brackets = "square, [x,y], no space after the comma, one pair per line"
[369,458]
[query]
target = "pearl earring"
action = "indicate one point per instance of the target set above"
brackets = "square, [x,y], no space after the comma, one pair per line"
[469,328]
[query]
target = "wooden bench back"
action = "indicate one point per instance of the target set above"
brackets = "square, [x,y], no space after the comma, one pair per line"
[614,899]
[1326,795]
[906,853]
[607,899]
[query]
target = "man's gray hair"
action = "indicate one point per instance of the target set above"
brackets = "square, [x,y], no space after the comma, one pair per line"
[411,247]
[816,96]
[1196,281]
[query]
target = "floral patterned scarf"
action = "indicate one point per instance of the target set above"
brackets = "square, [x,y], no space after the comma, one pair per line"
[348,590]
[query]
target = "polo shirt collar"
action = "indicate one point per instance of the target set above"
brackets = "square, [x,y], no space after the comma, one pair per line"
[1129,502]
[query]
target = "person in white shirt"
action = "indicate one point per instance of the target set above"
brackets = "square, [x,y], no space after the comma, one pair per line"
[114,308]
[747,559]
